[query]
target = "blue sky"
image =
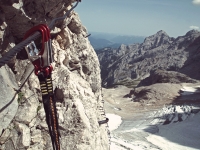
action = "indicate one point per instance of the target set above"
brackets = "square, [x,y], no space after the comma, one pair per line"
[140,17]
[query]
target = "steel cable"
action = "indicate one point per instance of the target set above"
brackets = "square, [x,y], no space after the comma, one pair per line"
[12,52]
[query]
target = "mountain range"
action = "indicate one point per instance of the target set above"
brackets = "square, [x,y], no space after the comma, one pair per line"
[131,63]
[102,40]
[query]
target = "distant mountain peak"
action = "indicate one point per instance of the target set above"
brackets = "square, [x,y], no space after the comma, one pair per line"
[161,37]
[192,32]
[123,47]
[104,40]
[161,32]
[128,64]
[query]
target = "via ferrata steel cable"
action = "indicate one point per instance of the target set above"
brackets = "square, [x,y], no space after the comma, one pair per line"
[12,52]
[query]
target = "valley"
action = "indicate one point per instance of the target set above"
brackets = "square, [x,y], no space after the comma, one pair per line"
[130,63]
[152,93]
[156,126]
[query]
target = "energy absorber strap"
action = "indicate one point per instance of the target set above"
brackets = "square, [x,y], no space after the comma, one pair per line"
[42,63]
[50,109]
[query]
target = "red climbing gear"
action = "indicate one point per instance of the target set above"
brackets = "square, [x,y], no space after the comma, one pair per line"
[42,62]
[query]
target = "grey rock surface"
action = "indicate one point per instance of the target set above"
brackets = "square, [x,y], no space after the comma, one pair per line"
[130,63]
[191,66]
[162,76]
[76,81]
[8,97]
[156,92]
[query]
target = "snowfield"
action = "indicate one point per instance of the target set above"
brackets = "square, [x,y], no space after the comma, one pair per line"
[174,127]
[114,121]
[183,135]
[186,90]
[171,128]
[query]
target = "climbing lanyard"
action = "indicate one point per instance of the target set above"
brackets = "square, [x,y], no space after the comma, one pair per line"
[42,67]
[42,63]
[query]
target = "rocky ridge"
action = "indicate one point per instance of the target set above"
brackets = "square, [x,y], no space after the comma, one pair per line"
[76,80]
[162,76]
[130,64]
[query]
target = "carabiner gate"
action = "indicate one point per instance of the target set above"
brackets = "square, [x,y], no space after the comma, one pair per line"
[41,59]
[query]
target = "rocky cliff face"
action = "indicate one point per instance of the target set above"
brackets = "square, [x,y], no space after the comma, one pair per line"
[127,64]
[76,81]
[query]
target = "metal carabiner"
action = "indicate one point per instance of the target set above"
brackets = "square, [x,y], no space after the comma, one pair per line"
[42,60]
[44,31]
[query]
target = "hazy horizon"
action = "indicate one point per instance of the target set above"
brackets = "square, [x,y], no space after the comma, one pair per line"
[118,34]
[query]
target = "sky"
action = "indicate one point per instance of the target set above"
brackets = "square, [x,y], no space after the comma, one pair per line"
[140,17]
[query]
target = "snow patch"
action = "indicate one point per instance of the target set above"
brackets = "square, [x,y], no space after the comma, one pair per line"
[118,144]
[189,90]
[114,121]
[179,136]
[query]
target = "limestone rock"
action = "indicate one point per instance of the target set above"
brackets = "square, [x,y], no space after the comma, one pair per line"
[161,76]
[25,139]
[156,92]
[65,39]
[8,97]
[36,136]
[75,25]
[129,64]
[76,81]
[35,147]
[5,135]
[191,65]
[30,106]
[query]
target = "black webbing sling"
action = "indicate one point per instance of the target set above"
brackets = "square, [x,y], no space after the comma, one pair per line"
[50,108]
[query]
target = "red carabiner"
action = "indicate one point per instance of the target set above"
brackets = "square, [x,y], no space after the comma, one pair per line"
[41,64]
[44,29]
